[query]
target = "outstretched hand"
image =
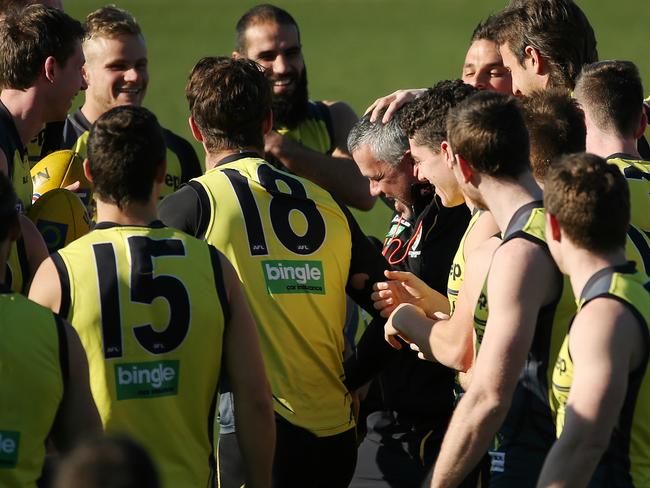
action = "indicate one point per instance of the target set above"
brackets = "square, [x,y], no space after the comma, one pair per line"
[402,287]
[392,103]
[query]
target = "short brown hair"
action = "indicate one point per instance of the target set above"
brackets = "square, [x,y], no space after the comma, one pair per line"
[229,100]
[28,37]
[488,131]
[125,149]
[111,22]
[590,200]
[558,29]
[485,30]
[556,126]
[425,120]
[612,91]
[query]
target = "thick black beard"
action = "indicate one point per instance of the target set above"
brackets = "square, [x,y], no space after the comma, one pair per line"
[291,108]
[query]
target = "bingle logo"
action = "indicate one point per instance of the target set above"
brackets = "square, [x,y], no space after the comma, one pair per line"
[146,380]
[294,276]
[9,442]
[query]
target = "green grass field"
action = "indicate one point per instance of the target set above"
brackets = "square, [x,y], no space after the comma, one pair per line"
[355,50]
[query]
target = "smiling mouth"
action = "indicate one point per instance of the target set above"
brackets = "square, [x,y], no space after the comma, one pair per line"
[283,82]
[131,91]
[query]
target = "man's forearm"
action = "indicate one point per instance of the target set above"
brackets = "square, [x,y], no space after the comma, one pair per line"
[256,436]
[475,422]
[569,464]
[338,175]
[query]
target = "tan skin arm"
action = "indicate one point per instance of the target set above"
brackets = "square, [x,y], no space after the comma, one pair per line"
[436,336]
[508,336]
[77,417]
[603,358]
[34,247]
[46,288]
[447,340]
[254,415]
[337,173]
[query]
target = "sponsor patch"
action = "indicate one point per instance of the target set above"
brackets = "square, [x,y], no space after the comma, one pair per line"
[146,380]
[288,276]
[9,444]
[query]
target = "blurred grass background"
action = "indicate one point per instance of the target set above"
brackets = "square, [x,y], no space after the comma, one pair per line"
[355,50]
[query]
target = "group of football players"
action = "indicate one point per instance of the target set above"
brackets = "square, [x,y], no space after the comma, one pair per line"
[229,323]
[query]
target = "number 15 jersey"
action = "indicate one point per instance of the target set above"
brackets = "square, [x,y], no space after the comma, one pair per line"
[149,305]
[292,245]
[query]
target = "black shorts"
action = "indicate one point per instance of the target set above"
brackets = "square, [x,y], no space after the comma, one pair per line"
[302,459]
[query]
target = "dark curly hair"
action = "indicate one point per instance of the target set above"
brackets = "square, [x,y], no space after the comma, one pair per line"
[425,120]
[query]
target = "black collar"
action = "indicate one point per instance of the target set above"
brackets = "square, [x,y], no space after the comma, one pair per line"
[156,224]
[238,156]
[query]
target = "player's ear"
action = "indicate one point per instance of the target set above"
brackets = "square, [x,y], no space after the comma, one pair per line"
[553,226]
[643,124]
[446,151]
[161,172]
[84,73]
[196,132]
[49,67]
[236,55]
[87,172]
[534,58]
[267,125]
[465,169]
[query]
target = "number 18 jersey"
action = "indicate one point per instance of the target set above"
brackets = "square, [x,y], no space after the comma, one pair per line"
[291,245]
[148,303]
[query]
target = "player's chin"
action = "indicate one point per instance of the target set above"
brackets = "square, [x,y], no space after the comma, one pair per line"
[124,98]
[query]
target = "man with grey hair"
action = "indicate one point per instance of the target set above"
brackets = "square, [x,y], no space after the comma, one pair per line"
[409,404]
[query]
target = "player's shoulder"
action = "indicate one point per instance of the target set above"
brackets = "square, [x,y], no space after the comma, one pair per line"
[524,258]
[341,113]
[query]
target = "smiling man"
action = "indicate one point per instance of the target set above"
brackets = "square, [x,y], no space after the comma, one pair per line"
[544,44]
[409,404]
[308,137]
[41,59]
[116,72]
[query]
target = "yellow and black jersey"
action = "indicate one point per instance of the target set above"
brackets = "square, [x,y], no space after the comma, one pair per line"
[17,160]
[627,459]
[530,420]
[17,268]
[48,140]
[295,249]
[33,374]
[182,162]
[637,174]
[457,270]
[150,307]
[315,131]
